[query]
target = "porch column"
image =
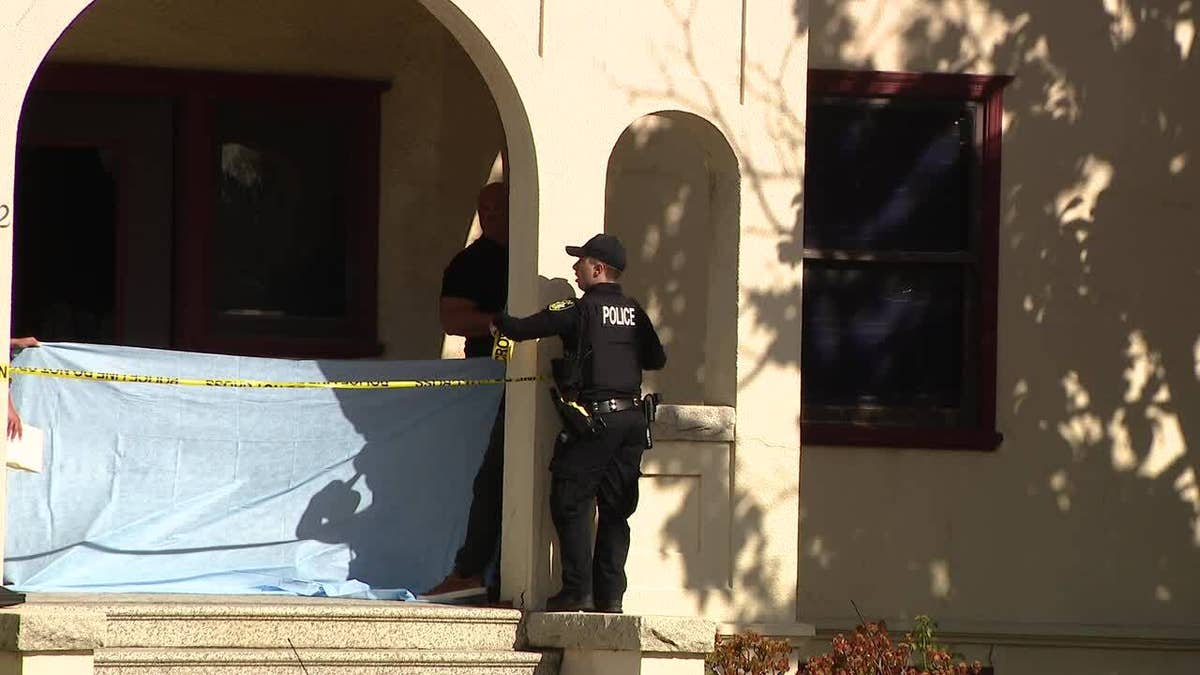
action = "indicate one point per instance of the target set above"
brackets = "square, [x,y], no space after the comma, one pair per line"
[570,204]
[27,31]
[10,111]
[6,219]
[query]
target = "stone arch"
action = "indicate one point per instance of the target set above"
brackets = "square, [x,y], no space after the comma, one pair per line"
[45,24]
[521,159]
[672,195]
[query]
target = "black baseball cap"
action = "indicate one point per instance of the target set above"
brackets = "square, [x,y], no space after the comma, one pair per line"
[603,247]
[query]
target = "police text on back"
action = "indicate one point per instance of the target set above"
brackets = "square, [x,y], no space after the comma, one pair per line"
[617,316]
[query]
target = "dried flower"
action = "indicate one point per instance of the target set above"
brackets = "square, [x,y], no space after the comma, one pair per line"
[749,654]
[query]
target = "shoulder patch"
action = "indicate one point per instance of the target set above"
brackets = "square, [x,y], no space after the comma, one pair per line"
[560,305]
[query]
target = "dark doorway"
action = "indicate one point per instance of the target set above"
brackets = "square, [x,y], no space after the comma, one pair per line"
[64,270]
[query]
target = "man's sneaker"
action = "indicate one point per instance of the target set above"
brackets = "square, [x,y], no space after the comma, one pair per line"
[456,587]
[609,608]
[568,603]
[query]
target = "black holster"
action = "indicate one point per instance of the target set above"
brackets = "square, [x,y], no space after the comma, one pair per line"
[578,423]
[650,410]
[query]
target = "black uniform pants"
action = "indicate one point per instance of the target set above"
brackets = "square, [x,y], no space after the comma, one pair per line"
[483,522]
[601,471]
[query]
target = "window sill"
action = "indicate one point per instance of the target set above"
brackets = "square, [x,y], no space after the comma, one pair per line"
[813,433]
[293,348]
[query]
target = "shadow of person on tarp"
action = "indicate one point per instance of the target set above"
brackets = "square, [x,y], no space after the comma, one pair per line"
[328,511]
[403,509]
[333,517]
[405,475]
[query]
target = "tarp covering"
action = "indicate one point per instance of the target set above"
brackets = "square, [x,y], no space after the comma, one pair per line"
[163,488]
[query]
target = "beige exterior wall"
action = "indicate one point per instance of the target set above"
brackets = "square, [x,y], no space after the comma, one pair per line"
[688,57]
[1084,526]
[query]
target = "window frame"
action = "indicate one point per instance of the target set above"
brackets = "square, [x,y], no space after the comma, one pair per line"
[986,92]
[196,95]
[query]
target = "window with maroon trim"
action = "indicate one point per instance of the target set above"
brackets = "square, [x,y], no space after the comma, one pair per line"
[275,205]
[900,245]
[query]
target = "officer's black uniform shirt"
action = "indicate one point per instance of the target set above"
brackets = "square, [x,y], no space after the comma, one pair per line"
[620,342]
[479,273]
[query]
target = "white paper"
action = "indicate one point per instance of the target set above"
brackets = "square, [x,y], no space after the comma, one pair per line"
[25,453]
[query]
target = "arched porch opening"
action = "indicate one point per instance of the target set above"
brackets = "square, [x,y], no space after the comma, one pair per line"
[118,94]
[446,111]
[672,196]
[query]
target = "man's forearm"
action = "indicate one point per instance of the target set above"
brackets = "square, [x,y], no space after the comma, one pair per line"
[467,322]
[540,325]
[462,316]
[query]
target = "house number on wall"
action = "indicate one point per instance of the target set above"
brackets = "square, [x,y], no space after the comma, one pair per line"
[4,215]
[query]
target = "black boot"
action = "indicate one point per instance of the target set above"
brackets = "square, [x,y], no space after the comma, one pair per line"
[568,603]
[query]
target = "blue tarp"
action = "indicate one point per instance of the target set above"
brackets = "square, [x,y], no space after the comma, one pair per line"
[161,488]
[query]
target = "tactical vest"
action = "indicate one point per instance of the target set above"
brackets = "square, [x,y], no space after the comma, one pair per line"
[609,345]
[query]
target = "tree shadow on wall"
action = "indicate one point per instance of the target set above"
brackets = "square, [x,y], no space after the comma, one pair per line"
[1099,378]
[671,195]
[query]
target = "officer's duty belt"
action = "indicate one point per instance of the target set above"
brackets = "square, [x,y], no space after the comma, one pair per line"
[612,405]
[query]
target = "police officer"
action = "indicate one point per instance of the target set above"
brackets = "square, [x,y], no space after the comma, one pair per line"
[610,339]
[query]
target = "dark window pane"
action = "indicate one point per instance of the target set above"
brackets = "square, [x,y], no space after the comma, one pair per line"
[888,175]
[883,336]
[279,240]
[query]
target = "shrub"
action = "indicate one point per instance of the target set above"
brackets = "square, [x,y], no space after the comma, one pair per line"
[870,650]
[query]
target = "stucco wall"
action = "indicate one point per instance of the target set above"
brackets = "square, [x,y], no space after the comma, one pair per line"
[691,57]
[568,79]
[1086,521]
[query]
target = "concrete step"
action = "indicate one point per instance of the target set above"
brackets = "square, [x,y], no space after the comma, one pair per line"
[144,661]
[257,622]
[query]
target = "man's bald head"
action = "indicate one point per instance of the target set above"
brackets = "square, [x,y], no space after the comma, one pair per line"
[493,212]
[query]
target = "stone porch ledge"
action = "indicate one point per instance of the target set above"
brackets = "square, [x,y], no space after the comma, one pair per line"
[37,628]
[708,423]
[595,643]
[39,639]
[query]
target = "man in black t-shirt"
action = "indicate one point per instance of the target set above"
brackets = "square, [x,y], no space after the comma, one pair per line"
[475,289]
[475,283]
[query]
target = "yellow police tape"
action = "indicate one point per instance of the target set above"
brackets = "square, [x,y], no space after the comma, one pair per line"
[502,347]
[7,371]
